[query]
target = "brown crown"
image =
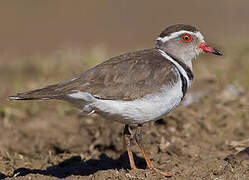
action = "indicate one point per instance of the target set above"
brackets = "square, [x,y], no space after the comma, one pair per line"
[177,27]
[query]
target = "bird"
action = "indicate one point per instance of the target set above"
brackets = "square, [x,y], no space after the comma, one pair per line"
[135,87]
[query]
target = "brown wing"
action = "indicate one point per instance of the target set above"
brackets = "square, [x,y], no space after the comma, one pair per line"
[126,77]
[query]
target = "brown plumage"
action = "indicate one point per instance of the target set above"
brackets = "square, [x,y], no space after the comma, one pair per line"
[125,77]
[176,28]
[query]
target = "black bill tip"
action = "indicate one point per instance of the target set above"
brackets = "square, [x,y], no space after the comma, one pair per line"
[217,52]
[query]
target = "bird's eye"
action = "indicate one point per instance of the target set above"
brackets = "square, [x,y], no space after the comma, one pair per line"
[186,38]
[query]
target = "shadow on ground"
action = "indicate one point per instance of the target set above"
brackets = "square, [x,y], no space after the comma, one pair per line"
[76,166]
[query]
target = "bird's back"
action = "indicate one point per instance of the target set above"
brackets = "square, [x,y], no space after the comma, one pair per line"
[126,77]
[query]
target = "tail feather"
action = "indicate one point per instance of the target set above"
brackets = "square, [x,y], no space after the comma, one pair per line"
[55,91]
[49,92]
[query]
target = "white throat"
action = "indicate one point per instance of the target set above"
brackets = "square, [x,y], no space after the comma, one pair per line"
[189,64]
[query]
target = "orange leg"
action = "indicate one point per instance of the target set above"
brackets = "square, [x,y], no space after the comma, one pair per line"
[139,140]
[127,140]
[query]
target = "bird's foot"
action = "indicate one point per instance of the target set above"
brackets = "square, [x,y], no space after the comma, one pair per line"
[134,167]
[161,172]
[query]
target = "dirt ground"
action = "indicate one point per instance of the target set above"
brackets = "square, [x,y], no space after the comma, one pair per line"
[207,137]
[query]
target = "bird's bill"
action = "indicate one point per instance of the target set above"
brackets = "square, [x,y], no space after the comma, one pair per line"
[209,49]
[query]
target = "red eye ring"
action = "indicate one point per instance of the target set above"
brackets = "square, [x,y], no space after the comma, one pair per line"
[187,38]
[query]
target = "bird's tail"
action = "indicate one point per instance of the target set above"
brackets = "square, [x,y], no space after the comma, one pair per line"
[49,92]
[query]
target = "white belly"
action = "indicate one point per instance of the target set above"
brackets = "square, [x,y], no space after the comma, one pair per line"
[149,108]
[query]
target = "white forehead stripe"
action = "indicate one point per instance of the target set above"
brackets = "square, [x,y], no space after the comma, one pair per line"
[179,67]
[176,34]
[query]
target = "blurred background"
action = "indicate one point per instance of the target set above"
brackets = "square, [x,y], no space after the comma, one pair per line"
[44,42]
[42,27]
